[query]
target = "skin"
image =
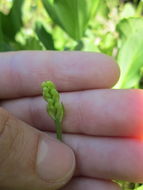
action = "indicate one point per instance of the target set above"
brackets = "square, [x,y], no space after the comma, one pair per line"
[103,128]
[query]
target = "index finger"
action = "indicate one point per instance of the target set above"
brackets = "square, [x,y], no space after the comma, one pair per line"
[22,72]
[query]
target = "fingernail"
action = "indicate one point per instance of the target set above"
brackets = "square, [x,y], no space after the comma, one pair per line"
[55,160]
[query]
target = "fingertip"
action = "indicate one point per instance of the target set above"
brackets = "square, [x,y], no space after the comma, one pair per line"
[116,71]
[86,70]
[112,71]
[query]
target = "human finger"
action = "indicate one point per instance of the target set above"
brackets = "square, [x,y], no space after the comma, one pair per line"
[95,112]
[22,72]
[81,183]
[107,158]
[30,159]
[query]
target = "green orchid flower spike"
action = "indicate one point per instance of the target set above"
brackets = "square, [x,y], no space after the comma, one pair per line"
[55,108]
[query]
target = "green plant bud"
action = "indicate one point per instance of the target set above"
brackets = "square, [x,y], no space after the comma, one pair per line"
[60,111]
[55,94]
[51,112]
[55,108]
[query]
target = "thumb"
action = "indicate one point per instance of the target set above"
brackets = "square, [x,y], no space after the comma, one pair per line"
[30,159]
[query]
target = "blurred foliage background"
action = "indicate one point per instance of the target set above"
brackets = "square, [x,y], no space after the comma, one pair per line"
[113,27]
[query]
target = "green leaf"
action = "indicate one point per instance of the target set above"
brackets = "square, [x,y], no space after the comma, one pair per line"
[139,188]
[127,11]
[1,31]
[49,6]
[4,43]
[103,9]
[112,4]
[130,56]
[13,21]
[4,46]
[107,44]
[45,37]
[71,15]
[129,26]
[31,43]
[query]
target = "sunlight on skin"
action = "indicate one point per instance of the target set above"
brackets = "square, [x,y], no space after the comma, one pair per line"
[138,113]
[135,111]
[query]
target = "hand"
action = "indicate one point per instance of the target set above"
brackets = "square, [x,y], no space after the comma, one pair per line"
[102,126]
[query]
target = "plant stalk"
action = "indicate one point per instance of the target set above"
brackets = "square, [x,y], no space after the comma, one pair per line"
[58,129]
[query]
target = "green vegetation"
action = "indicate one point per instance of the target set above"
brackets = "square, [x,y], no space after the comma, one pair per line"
[113,27]
[55,108]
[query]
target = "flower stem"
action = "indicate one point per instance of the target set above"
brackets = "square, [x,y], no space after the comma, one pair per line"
[58,129]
